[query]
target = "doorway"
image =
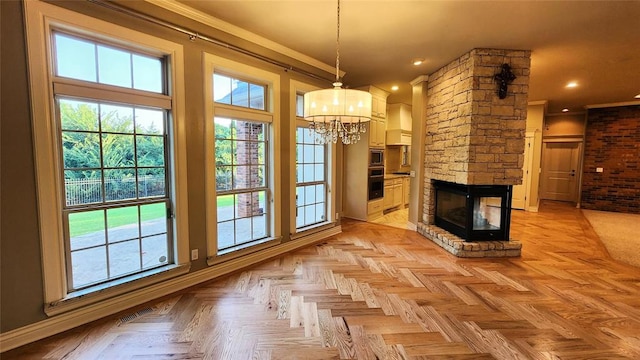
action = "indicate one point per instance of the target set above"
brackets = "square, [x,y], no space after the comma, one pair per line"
[560,170]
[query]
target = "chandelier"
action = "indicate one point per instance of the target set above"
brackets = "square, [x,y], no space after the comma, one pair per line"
[337,113]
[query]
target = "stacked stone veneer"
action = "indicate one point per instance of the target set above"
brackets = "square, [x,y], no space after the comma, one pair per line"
[472,136]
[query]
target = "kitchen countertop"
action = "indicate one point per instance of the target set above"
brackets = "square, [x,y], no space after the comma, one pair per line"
[395,176]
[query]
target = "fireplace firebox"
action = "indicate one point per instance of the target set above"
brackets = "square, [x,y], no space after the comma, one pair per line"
[473,212]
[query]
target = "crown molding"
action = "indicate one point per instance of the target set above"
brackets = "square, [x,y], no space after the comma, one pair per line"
[206,19]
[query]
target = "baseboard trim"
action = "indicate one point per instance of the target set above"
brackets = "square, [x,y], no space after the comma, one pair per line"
[69,320]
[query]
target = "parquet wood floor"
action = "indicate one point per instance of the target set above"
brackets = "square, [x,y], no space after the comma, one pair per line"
[377,292]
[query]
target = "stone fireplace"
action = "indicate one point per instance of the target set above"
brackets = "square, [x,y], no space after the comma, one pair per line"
[474,138]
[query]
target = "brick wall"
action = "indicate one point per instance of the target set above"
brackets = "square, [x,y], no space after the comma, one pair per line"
[612,142]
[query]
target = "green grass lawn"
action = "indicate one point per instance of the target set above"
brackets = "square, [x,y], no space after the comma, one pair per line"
[81,223]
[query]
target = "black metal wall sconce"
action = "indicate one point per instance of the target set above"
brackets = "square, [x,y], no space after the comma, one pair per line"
[504,78]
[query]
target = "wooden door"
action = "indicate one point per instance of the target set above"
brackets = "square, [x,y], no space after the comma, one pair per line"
[560,171]
[520,192]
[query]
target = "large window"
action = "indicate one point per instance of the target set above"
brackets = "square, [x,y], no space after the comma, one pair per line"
[106,155]
[312,174]
[241,182]
[241,159]
[114,163]
[311,180]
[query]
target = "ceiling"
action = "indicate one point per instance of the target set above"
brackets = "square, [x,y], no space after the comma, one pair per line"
[593,43]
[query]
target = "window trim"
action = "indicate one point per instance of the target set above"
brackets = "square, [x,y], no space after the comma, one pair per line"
[297,87]
[271,115]
[41,19]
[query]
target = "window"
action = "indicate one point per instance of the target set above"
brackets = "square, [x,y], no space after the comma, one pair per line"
[109,156]
[241,182]
[242,166]
[114,163]
[313,171]
[311,181]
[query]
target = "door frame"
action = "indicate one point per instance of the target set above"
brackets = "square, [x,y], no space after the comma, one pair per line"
[566,139]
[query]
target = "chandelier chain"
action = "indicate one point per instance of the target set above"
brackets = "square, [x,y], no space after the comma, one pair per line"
[338,46]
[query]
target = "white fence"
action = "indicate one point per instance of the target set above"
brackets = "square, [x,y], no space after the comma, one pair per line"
[88,191]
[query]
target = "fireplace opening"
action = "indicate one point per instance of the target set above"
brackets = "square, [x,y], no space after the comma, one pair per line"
[473,212]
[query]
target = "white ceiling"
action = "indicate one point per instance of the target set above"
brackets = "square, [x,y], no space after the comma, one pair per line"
[594,43]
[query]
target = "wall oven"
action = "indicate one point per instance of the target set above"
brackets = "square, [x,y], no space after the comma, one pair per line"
[376,158]
[376,183]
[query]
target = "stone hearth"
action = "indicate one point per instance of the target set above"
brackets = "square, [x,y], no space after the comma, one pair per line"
[469,249]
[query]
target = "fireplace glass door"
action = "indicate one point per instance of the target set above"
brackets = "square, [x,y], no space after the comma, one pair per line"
[487,213]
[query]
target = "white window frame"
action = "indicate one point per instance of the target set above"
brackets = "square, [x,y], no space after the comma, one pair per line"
[271,115]
[297,87]
[41,18]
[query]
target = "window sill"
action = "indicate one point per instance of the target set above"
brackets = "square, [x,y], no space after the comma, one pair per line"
[241,250]
[312,229]
[95,294]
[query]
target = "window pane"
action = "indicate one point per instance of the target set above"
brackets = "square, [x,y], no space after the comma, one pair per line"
[320,213]
[308,173]
[124,258]
[83,187]
[122,223]
[309,214]
[256,96]
[151,182]
[309,152]
[221,89]
[149,121]
[319,172]
[147,73]
[78,115]
[80,149]
[150,150]
[310,194]
[319,154]
[240,93]
[114,67]
[86,229]
[299,173]
[118,150]
[153,219]
[89,266]
[154,251]
[75,58]
[226,234]
[116,118]
[243,230]
[120,184]
[320,192]
[226,207]
[224,178]
[299,106]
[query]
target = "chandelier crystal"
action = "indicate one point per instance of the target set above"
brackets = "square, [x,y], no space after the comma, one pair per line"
[337,113]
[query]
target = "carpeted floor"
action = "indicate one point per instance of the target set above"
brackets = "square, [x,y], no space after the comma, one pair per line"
[619,232]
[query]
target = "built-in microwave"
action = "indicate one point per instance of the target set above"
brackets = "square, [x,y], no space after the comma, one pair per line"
[376,157]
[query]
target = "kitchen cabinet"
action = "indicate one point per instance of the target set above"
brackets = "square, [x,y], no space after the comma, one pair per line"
[377,132]
[399,124]
[374,209]
[377,127]
[393,193]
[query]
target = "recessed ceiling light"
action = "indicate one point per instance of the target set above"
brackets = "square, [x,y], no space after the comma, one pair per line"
[565,110]
[572,84]
[394,88]
[417,62]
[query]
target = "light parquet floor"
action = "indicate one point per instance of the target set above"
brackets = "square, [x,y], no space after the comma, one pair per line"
[377,292]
